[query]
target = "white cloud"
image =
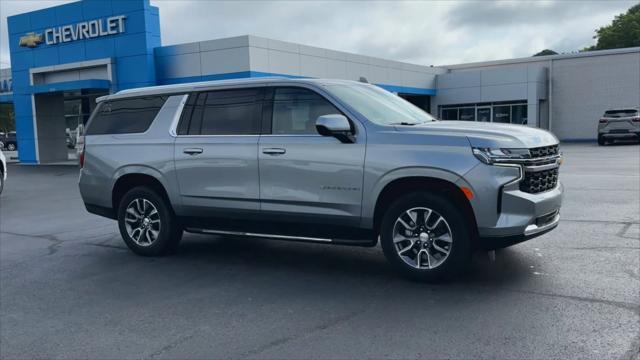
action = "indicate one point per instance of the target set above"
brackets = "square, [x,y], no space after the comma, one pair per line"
[423,32]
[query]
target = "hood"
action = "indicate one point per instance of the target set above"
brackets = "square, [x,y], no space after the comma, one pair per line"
[488,135]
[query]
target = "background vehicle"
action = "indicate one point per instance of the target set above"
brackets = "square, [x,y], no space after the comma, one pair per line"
[619,124]
[3,170]
[10,141]
[315,160]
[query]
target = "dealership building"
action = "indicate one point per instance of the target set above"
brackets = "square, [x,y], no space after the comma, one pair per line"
[63,57]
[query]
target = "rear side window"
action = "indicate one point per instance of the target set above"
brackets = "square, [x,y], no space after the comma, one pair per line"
[125,116]
[295,111]
[222,112]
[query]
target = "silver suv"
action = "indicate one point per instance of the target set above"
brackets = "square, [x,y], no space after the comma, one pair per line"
[619,124]
[327,161]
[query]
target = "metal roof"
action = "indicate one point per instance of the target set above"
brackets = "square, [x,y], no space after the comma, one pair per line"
[543,58]
[207,85]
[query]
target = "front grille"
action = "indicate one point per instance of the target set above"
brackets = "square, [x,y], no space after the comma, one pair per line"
[544,151]
[539,181]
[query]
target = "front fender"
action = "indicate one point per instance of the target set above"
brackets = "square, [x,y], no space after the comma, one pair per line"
[371,197]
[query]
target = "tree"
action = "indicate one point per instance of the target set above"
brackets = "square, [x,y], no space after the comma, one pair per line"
[546,52]
[7,118]
[623,32]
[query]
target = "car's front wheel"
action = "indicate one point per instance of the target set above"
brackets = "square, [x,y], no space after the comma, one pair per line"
[147,223]
[425,237]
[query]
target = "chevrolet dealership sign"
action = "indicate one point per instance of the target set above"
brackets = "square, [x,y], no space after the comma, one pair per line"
[80,31]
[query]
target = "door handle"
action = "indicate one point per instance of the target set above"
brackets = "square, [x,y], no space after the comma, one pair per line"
[274,151]
[193,151]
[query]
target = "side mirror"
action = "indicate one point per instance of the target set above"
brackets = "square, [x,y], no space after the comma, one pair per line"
[335,125]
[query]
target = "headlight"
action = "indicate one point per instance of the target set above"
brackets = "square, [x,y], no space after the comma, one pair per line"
[491,156]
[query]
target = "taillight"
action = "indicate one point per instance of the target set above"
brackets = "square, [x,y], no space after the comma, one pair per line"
[636,119]
[603,121]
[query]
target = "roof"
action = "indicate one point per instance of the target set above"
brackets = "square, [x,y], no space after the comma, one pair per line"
[544,58]
[206,85]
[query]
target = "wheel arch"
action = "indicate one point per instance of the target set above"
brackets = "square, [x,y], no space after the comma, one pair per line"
[127,179]
[404,185]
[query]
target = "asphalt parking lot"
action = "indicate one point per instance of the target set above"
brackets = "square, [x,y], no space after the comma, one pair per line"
[70,289]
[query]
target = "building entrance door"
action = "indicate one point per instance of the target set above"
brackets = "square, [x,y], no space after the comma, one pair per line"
[61,117]
[483,113]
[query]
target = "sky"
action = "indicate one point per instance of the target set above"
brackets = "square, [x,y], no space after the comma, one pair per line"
[421,32]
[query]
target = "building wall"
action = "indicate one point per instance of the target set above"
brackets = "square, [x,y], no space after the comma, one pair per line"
[517,82]
[583,88]
[130,53]
[579,89]
[252,56]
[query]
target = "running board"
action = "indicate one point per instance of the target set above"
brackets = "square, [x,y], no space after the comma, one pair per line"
[268,236]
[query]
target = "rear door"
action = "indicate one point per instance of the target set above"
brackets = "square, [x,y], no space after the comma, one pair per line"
[305,176]
[216,152]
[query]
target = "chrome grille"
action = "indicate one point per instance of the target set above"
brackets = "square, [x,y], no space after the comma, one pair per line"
[541,170]
[539,181]
[544,151]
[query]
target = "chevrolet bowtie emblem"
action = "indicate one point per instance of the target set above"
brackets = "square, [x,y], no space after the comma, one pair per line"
[31,40]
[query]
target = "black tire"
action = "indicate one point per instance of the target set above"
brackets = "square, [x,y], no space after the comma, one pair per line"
[1,181]
[601,140]
[169,231]
[460,249]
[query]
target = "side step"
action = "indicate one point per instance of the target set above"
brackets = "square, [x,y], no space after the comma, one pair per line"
[285,237]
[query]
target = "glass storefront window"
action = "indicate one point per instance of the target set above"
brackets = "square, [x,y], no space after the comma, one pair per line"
[484,114]
[450,114]
[514,113]
[502,114]
[467,114]
[519,114]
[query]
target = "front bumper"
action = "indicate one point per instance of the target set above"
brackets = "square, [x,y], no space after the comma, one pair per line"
[505,215]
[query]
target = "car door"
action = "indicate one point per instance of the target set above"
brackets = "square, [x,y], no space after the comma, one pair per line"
[303,175]
[216,152]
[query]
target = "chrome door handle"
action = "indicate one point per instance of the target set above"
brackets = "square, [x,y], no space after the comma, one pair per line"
[193,151]
[274,151]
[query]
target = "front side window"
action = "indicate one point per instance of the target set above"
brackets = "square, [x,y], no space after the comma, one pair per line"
[125,116]
[295,111]
[380,106]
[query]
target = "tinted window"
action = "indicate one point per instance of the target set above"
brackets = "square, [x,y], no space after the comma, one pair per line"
[502,114]
[519,114]
[125,116]
[621,113]
[449,114]
[295,111]
[224,112]
[467,114]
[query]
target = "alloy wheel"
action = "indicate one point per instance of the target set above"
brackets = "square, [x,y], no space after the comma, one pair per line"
[142,222]
[422,238]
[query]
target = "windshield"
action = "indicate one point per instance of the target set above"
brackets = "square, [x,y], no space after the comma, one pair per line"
[380,106]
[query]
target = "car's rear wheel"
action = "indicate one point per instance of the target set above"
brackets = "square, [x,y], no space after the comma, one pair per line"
[601,140]
[147,223]
[426,237]
[1,181]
